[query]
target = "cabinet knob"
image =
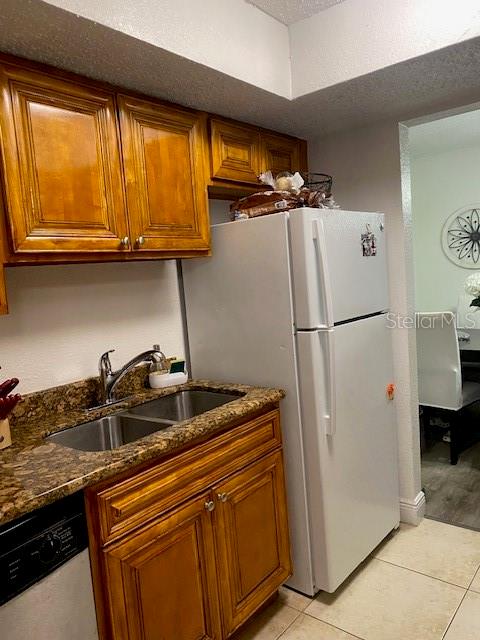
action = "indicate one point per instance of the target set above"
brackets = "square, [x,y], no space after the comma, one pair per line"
[125,241]
[140,241]
[209,505]
[223,497]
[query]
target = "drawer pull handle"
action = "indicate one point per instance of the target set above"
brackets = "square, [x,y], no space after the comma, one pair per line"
[125,241]
[223,497]
[140,241]
[209,505]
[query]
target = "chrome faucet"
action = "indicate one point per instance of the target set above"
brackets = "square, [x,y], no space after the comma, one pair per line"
[109,378]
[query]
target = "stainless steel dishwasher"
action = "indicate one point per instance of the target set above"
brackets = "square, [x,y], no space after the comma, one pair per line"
[45,581]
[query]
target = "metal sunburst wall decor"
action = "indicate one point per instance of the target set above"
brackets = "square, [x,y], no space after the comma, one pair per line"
[461,237]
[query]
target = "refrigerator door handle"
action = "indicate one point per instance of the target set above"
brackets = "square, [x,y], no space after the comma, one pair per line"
[321,253]
[330,417]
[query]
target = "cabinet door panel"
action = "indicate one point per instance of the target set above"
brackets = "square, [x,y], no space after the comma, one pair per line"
[235,152]
[3,292]
[62,165]
[162,579]
[280,154]
[163,150]
[252,538]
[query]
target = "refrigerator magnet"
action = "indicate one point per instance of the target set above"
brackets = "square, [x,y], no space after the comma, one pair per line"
[390,390]
[369,243]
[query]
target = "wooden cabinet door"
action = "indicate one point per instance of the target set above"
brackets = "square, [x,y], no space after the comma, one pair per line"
[162,579]
[62,171]
[164,159]
[3,292]
[280,154]
[235,152]
[252,538]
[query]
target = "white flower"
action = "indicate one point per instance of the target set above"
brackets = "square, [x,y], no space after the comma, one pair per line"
[472,284]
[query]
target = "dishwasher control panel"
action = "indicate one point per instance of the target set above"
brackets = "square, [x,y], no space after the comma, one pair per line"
[35,545]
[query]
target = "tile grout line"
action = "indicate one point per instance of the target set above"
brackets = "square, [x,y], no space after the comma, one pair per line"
[299,613]
[454,614]
[473,579]
[335,626]
[426,575]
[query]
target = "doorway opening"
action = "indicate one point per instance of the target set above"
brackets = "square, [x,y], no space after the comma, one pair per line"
[442,154]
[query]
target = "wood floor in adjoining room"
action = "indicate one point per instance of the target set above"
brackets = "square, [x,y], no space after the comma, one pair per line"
[452,491]
[422,583]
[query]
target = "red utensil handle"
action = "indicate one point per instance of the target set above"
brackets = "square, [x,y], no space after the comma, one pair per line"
[8,386]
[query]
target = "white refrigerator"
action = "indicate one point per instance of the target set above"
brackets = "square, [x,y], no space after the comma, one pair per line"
[299,300]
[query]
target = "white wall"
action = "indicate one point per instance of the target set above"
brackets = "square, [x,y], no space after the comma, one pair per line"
[365,164]
[63,317]
[233,37]
[357,37]
[347,40]
[441,183]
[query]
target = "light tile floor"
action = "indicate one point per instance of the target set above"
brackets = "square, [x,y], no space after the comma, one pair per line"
[422,583]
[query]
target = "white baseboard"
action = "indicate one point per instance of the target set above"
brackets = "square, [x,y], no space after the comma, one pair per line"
[413,511]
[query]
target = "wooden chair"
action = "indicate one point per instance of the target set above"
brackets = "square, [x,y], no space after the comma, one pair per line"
[440,374]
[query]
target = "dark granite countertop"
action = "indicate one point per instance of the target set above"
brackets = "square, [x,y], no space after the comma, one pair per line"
[34,473]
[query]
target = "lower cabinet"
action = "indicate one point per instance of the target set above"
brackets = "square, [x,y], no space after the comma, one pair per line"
[199,569]
[251,538]
[162,579]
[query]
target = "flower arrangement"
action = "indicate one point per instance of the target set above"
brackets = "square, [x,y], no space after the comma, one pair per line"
[472,287]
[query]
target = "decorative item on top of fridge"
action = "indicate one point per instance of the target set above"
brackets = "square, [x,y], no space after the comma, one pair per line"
[288,191]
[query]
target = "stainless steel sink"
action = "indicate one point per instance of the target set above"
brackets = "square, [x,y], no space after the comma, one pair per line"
[183,404]
[111,432]
[107,433]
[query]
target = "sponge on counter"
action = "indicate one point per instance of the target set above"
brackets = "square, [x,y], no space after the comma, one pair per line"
[177,366]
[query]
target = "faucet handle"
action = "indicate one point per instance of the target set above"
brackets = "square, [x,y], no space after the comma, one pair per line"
[104,363]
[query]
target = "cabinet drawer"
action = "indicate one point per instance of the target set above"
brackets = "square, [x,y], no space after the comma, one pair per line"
[129,503]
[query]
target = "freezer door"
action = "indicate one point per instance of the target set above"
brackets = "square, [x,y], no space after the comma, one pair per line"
[240,326]
[352,480]
[334,278]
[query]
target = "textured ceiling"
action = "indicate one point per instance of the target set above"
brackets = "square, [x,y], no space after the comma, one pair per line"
[454,132]
[290,11]
[443,79]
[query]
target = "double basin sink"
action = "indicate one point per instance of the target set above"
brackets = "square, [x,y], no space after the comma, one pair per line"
[118,429]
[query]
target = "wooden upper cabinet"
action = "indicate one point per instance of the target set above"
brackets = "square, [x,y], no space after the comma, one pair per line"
[253,550]
[164,161]
[162,579]
[235,152]
[240,153]
[62,171]
[280,154]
